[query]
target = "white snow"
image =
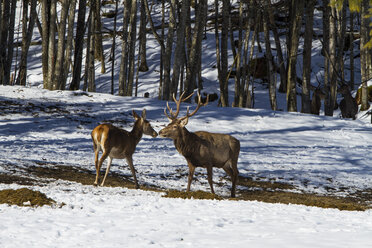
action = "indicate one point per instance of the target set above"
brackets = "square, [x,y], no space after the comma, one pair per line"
[314,153]
[289,147]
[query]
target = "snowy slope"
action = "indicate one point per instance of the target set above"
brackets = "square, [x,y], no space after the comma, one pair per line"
[313,153]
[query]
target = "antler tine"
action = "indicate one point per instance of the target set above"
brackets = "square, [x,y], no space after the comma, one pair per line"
[170,112]
[197,107]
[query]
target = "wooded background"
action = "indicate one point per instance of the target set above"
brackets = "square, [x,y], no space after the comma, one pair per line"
[71,36]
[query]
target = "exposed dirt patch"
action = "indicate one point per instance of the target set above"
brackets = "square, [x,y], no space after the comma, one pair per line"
[86,177]
[9,179]
[24,197]
[192,195]
[265,190]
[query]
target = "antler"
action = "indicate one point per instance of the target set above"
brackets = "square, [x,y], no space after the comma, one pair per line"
[173,116]
[199,105]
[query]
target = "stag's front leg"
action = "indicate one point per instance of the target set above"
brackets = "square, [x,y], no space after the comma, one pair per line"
[191,175]
[130,163]
[210,177]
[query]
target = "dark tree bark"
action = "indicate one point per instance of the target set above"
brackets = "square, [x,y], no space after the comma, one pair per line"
[61,45]
[296,11]
[142,39]
[28,27]
[195,50]
[124,50]
[79,45]
[179,57]
[51,44]
[224,55]
[90,58]
[269,59]
[306,74]
[365,57]
[7,39]
[166,94]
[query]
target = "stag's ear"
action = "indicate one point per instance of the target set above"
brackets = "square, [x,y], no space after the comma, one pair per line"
[183,121]
[135,116]
[144,114]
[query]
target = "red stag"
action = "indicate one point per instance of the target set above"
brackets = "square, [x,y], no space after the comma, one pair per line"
[118,143]
[202,149]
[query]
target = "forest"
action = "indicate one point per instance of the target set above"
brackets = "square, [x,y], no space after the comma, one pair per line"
[256,41]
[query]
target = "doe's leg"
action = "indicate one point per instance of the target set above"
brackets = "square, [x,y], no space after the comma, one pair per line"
[109,161]
[131,166]
[98,167]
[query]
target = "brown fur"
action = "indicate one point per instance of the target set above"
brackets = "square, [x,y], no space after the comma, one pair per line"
[118,143]
[204,149]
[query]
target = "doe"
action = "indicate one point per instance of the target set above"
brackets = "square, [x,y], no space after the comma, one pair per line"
[118,143]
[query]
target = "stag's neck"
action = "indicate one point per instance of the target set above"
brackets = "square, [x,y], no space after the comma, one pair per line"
[187,143]
[136,132]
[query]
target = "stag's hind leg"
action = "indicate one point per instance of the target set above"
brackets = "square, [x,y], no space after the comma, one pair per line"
[210,177]
[231,169]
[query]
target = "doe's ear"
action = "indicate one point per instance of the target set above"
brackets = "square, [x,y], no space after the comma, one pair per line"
[184,121]
[135,116]
[144,114]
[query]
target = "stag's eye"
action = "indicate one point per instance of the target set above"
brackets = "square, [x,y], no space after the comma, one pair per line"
[175,126]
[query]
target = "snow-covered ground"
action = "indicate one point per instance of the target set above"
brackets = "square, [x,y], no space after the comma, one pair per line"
[314,153]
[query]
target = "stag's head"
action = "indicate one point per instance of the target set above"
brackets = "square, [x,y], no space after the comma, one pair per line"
[176,125]
[144,124]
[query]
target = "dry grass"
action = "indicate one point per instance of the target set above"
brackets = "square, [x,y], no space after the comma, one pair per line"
[24,197]
[250,190]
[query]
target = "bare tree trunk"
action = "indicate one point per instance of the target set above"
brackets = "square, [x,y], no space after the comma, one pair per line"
[269,59]
[70,33]
[142,39]
[250,93]
[90,63]
[224,56]
[326,17]
[45,15]
[98,53]
[297,8]
[306,74]
[79,45]
[51,44]
[351,49]
[364,54]
[60,57]
[124,50]
[195,51]
[132,35]
[244,72]
[331,98]
[179,58]
[113,48]
[238,57]
[283,75]
[28,28]
[168,51]
[6,41]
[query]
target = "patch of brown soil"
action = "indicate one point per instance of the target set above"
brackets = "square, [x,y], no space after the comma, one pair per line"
[24,197]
